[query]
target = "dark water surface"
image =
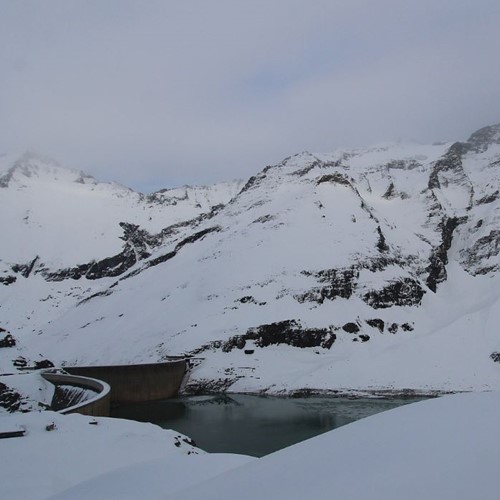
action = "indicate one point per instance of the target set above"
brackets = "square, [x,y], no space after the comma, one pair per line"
[254,425]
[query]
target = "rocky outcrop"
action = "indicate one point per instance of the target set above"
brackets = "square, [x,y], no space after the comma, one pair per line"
[288,332]
[476,259]
[439,256]
[336,283]
[10,400]
[8,340]
[404,292]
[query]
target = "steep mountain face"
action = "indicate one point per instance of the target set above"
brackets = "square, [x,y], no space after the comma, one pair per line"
[368,270]
[64,233]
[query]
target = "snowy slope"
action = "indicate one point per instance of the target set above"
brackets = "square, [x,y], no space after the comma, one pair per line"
[58,225]
[441,449]
[61,451]
[372,269]
[65,217]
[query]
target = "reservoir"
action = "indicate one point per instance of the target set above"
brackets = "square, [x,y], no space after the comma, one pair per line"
[254,425]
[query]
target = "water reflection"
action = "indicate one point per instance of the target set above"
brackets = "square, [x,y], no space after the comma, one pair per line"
[254,425]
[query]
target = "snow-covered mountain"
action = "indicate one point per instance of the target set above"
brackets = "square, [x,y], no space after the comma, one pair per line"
[374,269]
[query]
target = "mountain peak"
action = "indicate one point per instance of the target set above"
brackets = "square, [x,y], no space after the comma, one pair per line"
[31,166]
[480,140]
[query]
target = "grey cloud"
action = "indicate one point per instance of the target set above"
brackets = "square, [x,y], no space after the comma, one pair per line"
[160,93]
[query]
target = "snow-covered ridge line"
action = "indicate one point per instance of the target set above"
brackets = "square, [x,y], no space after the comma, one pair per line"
[350,270]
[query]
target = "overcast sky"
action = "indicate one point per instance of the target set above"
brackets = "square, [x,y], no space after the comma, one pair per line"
[161,93]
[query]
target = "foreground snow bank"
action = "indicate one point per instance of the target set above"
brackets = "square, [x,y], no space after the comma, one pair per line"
[443,449]
[59,452]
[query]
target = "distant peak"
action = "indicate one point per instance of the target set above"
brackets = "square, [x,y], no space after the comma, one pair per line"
[480,140]
[31,165]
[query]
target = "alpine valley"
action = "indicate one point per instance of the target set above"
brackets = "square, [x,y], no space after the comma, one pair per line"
[373,270]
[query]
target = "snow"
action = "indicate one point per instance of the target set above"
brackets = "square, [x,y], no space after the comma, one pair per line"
[35,391]
[57,213]
[311,214]
[117,457]
[443,449]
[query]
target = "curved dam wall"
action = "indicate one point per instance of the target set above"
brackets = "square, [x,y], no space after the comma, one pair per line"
[136,383]
[96,406]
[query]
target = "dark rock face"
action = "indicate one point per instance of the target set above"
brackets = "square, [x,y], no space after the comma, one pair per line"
[190,239]
[406,292]
[20,362]
[376,323]
[263,219]
[135,248]
[381,244]
[489,198]
[338,283]
[351,328]
[9,399]
[255,180]
[335,178]
[44,363]
[484,248]
[7,280]
[248,299]
[8,340]
[393,328]
[25,269]
[495,356]
[479,141]
[390,192]
[451,161]
[439,256]
[289,332]
[137,242]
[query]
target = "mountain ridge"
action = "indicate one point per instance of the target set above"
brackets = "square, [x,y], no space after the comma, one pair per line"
[350,270]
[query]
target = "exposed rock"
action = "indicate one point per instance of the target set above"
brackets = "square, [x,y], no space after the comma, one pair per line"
[10,399]
[479,141]
[451,161]
[248,299]
[495,356]
[393,328]
[405,292]
[263,219]
[484,248]
[350,328]
[403,164]
[390,192]
[44,363]
[7,341]
[439,256]
[376,323]
[490,198]
[289,332]
[7,280]
[364,338]
[25,269]
[339,283]
[20,362]
[335,178]
[381,244]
